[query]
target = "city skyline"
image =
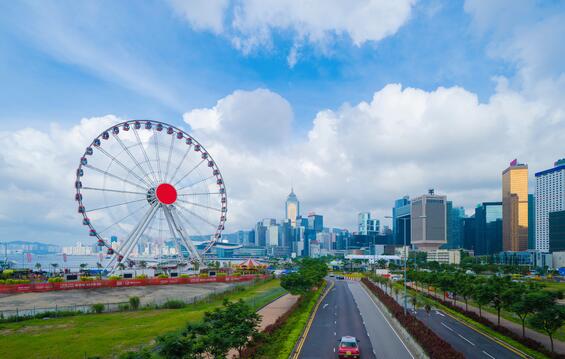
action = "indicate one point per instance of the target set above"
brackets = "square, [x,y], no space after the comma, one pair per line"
[354,115]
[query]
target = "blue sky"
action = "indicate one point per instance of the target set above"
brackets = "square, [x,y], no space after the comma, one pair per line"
[356,103]
[435,47]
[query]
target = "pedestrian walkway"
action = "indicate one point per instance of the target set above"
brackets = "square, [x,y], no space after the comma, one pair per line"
[558,345]
[270,313]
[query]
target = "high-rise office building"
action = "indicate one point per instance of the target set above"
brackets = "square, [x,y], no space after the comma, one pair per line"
[401,221]
[469,232]
[515,207]
[557,231]
[455,216]
[367,225]
[292,208]
[531,221]
[550,197]
[260,234]
[429,221]
[315,222]
[488,225]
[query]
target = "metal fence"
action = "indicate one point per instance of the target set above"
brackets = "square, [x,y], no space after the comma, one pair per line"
[59,311]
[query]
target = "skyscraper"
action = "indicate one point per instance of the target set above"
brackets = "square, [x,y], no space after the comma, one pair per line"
[315,222]
[367,225]
[455,216]
[292,208]
[531,221]
[488,224]
[401,220]
[550,197]
[429,221]
[515,207]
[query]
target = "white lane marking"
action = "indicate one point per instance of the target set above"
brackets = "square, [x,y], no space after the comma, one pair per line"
[382,314]
[335,333]
[467,340]
[487,354]
[442,323]
[438,313]
[335,322]
[334,350]
[325,305]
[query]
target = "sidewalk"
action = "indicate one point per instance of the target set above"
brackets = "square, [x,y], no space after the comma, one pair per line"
[270,313]
[558,345]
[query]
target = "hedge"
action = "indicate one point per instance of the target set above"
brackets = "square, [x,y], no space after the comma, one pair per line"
[432,344]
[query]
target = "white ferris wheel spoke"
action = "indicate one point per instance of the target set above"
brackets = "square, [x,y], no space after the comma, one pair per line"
[106,173]
[116,205]
[197,194]
[138,231]
[125,244]
[131,156]
[169,159]
[171,226]
[174,225]
[121,219]
[145,155]
[156,142]
[180,163]
[189,172]
[112,190]
[197,182]
[198,216]
[181,215]
[200,205]
[186,239]
[114,159]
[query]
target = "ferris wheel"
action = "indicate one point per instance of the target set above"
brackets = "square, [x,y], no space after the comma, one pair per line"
[149,183]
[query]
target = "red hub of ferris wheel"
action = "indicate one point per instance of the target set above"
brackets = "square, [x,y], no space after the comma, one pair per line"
[166,193]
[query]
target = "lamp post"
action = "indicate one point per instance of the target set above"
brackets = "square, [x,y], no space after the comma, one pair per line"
[405,255]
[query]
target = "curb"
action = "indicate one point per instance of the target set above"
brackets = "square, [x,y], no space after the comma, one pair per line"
[298,346]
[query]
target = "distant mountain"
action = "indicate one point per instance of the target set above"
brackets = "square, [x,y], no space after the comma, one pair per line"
[31,247]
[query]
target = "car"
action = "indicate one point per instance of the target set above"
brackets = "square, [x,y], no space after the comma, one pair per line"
[348,348]
[332,275]
[339,277]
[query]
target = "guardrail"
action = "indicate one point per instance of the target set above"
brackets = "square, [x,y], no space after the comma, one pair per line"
[107,283]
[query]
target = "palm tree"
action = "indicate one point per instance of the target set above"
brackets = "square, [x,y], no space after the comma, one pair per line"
[396,291]
[415,302]
[143,264]
[54,265]
[38,266]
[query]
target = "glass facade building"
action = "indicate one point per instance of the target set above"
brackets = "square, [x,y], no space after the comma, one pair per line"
[401,221]
[515,207]
[488,223]
[292,208]
[531,221]
[557,231]
[455,216]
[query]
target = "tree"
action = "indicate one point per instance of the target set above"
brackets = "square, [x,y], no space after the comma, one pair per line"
[83,266]
[396,291]
[481,295]
[549,319]
[54,265]
[142,264]
[296,283]
[134,302]
[38,266]
[526,302]
[188,345]
[415,302]
[466,289]
[500,289]
[232,326]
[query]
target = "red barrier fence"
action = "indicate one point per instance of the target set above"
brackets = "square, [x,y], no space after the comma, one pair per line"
[106,283]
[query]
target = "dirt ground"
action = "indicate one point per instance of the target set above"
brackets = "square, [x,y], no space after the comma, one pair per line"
[68,298]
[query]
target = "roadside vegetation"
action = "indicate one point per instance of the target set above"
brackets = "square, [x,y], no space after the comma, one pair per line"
[73,337]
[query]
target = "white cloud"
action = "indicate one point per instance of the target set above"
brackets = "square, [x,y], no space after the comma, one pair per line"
[255,22]
[203,14]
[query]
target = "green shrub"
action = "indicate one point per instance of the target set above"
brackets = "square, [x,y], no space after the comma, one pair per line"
[97,308]
[141,276]
[16,281]
[173,304]
[7,273]
[84,278]
[162,275]
[221,274]
[184,276]
[134,302]
[55,280]
[203,275]
[114,277]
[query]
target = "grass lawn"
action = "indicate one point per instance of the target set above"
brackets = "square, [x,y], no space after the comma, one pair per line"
[108,335]
[280,343]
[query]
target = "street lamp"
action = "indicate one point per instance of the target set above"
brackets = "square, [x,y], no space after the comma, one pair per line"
[404,219]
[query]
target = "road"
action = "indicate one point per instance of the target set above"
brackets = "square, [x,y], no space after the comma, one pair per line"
[462,338]
[349,310]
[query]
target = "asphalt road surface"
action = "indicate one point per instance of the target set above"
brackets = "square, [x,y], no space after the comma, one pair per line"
[348,310]
[462,338]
